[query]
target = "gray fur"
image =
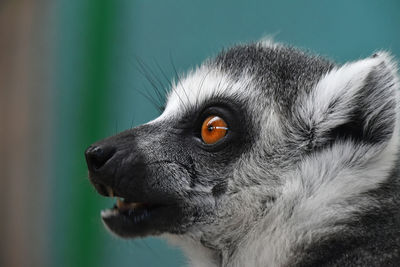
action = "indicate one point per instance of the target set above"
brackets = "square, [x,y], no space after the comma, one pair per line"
[309,176]
[282,75]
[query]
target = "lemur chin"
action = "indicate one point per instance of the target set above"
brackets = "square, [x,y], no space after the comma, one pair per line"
[264,156]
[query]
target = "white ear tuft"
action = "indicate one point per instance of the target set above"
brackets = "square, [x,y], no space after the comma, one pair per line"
[269,41]
[357,101]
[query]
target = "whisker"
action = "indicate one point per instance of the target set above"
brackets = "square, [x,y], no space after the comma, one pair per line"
[201,87]
[152,79]
[156,77]
[179,82]
[159,99]
[145,93]
[151,100]
[169,83]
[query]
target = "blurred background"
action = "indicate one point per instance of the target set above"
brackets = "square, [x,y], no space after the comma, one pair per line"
[74,71]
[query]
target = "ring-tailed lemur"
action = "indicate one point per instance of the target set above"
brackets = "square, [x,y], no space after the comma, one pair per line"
[264,156]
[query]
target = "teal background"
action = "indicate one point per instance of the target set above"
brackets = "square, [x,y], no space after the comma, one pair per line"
[96,83]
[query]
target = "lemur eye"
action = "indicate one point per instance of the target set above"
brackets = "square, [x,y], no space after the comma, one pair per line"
[213,129]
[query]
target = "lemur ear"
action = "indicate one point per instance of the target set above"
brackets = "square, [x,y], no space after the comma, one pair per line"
[357,102]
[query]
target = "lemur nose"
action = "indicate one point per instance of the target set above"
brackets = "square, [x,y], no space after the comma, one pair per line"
[97,156]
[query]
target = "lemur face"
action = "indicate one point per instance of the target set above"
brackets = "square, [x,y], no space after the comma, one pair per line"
[220,155]
[169,176]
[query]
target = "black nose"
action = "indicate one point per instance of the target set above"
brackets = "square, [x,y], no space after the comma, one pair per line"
[97,156]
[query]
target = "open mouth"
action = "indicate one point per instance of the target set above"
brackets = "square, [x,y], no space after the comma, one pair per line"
[131,219]
[135,211]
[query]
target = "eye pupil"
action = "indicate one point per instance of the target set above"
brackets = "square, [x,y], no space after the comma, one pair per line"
[213,129]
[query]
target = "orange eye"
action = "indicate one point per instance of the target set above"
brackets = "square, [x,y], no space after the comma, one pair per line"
[213,129]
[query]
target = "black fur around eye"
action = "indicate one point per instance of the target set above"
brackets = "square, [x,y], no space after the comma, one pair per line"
[233,115]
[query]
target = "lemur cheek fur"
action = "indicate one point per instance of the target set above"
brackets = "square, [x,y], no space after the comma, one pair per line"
[265,156]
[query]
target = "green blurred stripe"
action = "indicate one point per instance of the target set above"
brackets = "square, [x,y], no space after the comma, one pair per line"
[84,240]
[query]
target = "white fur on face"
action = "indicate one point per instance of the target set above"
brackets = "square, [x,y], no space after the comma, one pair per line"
[341,85]
[201,85]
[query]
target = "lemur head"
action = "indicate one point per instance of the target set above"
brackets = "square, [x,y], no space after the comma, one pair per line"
[261,134]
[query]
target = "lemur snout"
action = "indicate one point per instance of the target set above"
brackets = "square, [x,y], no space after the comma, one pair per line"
[97,156]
